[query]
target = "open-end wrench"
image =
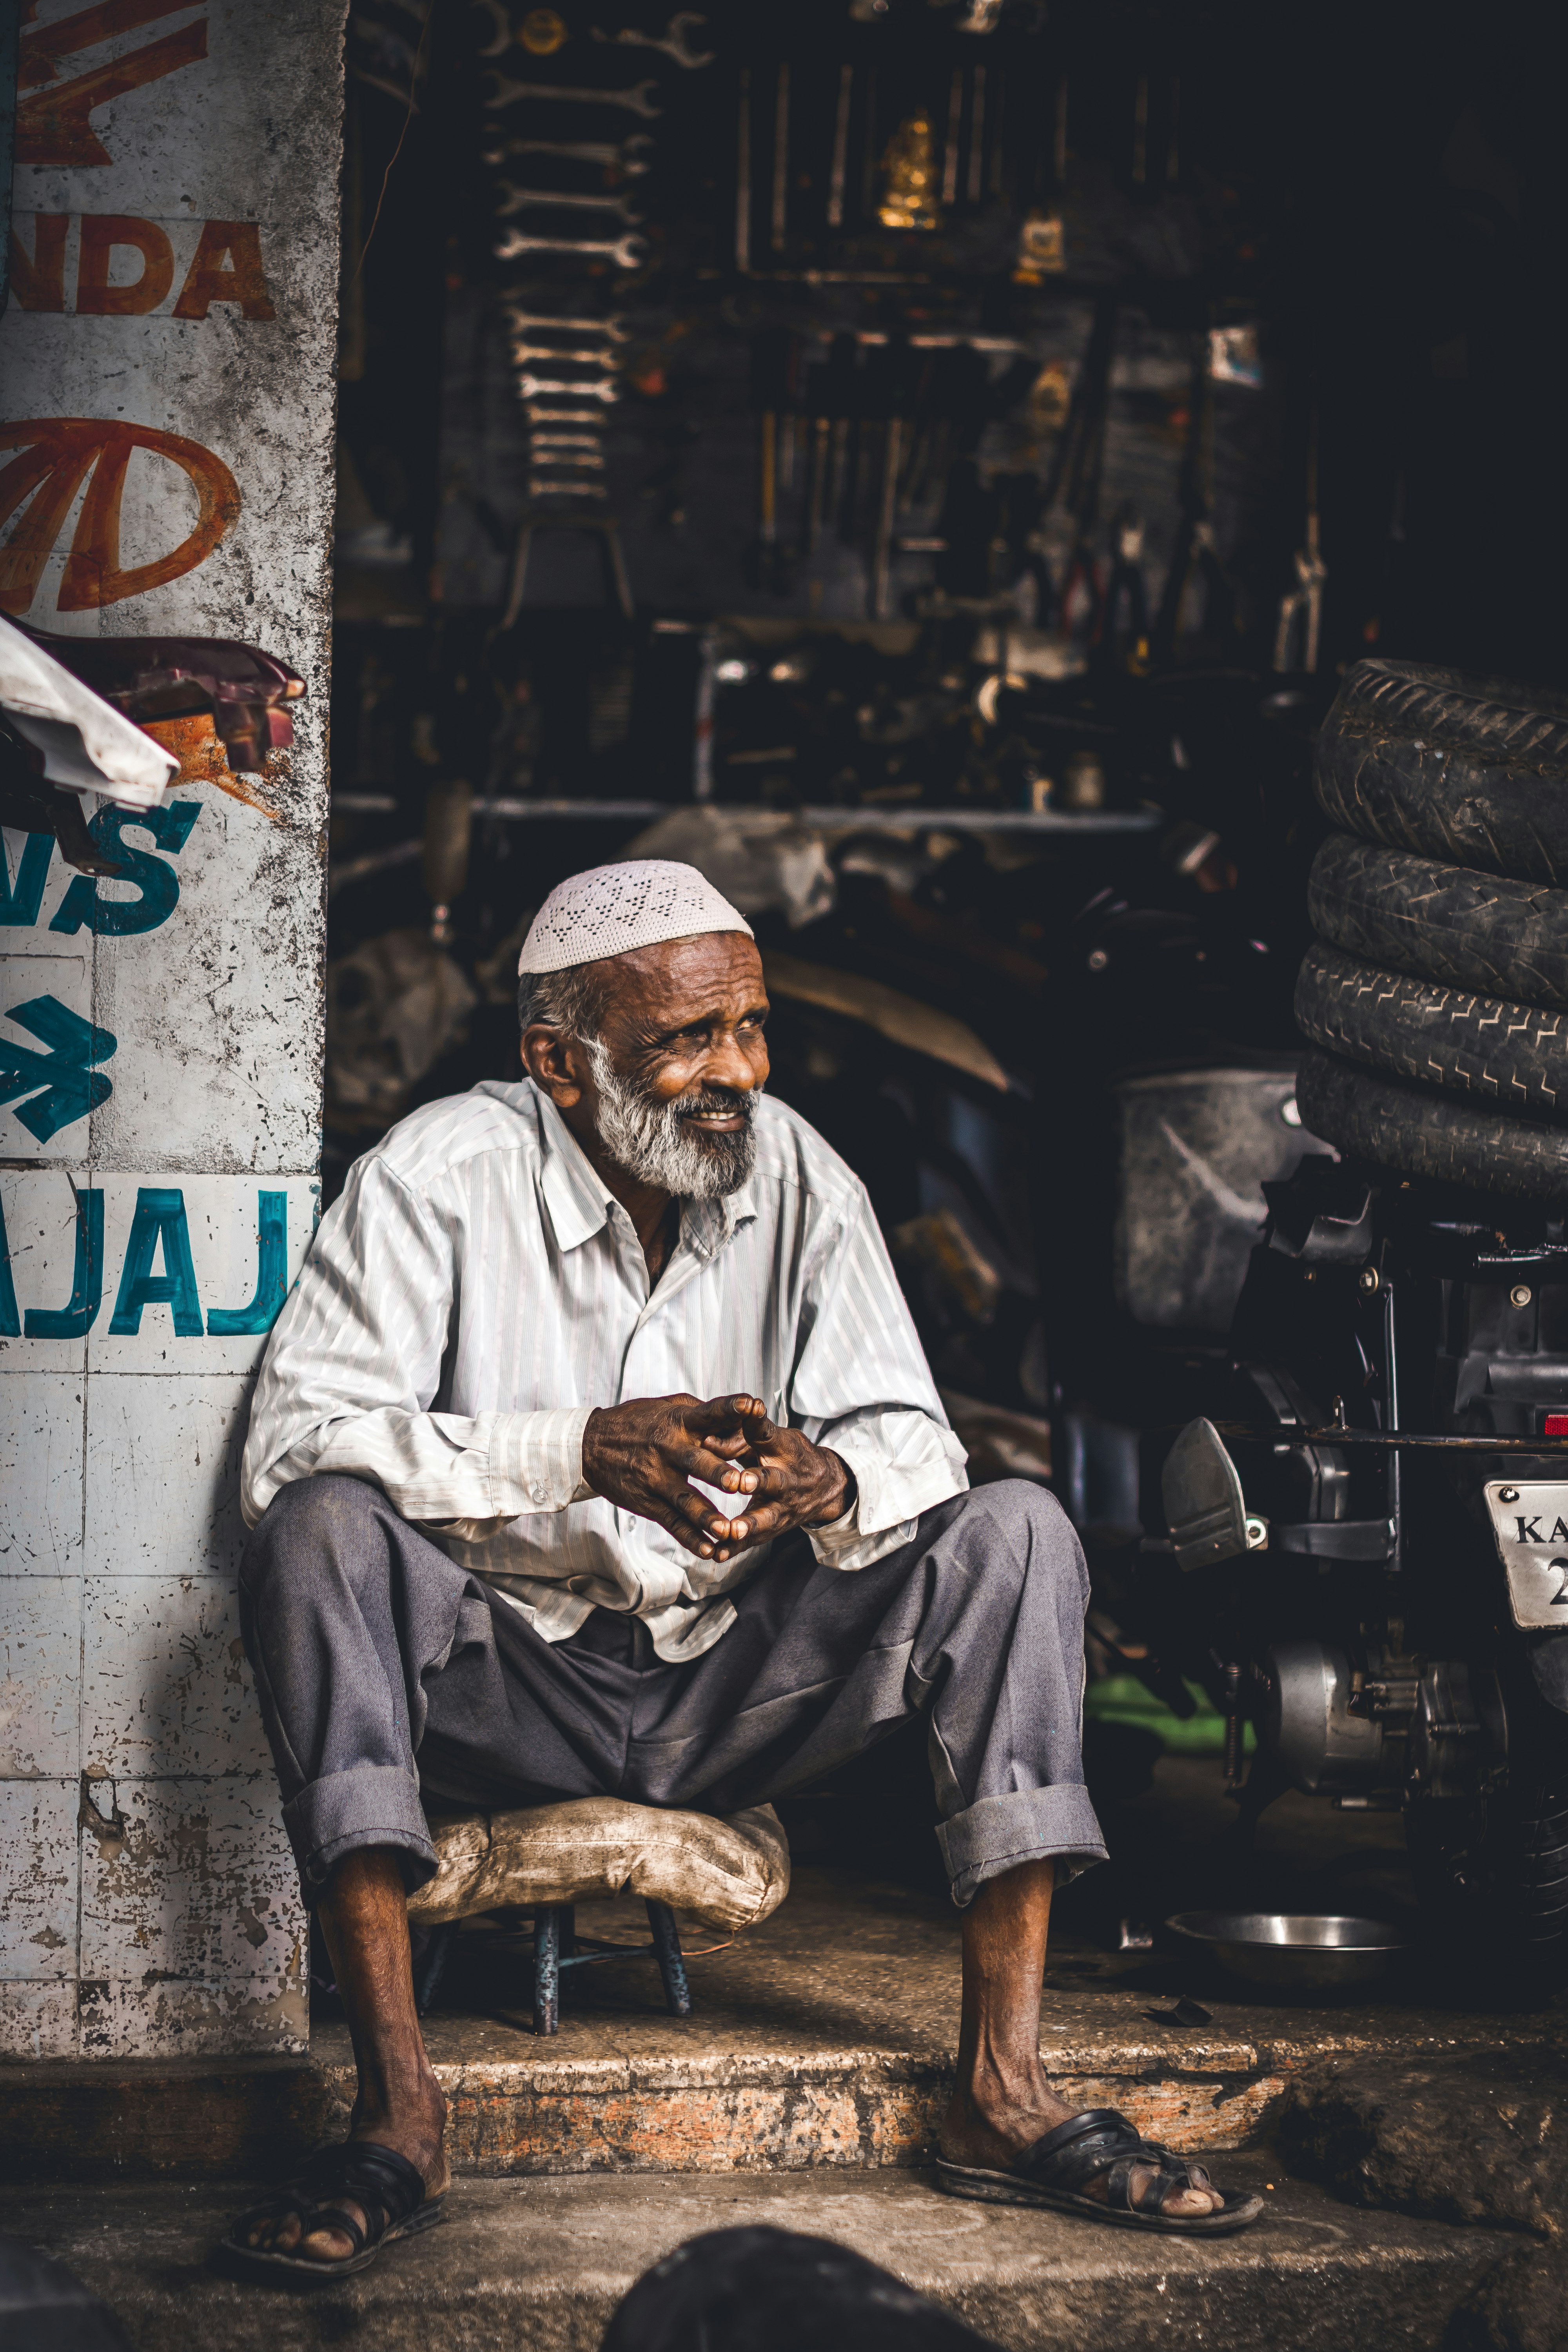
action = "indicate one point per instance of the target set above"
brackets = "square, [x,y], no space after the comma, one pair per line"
[579,151]
[567,461]
[554,93]
[672,40]
[501,39]
[610,329]
[537,415]
[629,252]
[552,489]
[521,353]
[529,386]
[540,199]
[564,441]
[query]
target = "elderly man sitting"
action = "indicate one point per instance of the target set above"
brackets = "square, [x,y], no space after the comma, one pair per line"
[595,1453]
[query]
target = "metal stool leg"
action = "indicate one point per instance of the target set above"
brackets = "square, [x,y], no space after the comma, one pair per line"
[547,1969]
[671,1967]
[566,1944]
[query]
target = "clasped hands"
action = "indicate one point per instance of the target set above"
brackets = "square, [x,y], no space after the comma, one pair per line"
[643,1455]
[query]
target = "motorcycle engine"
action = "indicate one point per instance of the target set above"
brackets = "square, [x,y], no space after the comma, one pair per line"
[1322,1749]
[1339,1729]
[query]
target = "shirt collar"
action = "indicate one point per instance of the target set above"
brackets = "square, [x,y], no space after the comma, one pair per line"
[579,1201]
[581,1204]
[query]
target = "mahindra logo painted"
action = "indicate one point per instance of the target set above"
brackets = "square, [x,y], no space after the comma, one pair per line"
[58,456]
[53,128]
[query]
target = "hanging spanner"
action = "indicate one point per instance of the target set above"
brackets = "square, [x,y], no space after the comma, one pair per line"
[579,151]
[569,461]
[529,386]
[541,199]
[610,329]
[537,415]
[522,352]
[501,40]
[554,93]
[672,40]
[564,441]
[628,252]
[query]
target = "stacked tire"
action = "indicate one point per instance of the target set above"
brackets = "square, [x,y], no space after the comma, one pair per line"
[1435,996]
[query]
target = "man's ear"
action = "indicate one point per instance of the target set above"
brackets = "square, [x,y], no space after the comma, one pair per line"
[551,1061]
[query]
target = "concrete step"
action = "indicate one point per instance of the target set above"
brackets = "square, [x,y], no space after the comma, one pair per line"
[825,2037]
[537,2265]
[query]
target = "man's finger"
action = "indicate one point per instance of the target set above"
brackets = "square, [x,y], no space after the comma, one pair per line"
[698,1512]
[774,1481]
[761,1519]
[664,1495]
[690,1539]
[747,1416]
[713,1470]
[709,1537]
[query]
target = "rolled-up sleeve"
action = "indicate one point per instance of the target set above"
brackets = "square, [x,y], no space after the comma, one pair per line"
[862,1388]
[354,1362]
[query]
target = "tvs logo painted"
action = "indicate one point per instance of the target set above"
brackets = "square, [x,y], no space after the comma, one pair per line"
[58,455]
[52,125]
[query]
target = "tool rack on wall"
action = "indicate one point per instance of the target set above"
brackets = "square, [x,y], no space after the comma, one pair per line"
[847,415]
[839,314]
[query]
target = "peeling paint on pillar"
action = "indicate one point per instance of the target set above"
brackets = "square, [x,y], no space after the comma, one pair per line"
[173,317]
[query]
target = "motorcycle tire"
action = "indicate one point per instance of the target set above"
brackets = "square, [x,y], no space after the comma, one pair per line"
[1491,1869]
[1472,771]
[1447,923]
[1416,1131]
[1502,1056]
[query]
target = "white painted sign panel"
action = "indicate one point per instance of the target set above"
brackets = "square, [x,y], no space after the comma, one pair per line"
[166,410]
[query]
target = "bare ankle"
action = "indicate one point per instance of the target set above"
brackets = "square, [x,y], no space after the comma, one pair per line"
[998,2084]
[401,2102]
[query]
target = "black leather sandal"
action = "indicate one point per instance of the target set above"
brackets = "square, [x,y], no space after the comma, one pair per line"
[386,2186]
[1054,2170]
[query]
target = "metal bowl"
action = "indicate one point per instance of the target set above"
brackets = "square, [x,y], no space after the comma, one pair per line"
[1303,1952]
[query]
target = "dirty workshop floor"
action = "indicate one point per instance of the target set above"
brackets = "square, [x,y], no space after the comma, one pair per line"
[803,2089]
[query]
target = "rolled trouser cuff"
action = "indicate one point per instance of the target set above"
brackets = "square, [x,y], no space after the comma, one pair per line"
[371,1805]
[997,1833]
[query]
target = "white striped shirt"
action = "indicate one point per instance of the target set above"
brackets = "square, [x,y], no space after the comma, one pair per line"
[477,1292]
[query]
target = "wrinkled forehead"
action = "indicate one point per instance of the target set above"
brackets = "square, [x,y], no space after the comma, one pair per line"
[654,988]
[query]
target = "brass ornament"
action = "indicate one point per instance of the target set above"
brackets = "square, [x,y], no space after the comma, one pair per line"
[543,32]
[1051,398]
[1042,249]
[909,194]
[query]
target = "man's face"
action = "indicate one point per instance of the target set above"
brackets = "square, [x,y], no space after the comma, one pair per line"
[670,1086]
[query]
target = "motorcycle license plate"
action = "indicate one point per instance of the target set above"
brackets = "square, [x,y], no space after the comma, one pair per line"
[1531,1524]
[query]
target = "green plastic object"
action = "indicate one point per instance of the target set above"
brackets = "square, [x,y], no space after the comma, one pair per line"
[1123,1698]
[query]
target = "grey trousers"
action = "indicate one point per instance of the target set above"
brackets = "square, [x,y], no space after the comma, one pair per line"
[371,1649]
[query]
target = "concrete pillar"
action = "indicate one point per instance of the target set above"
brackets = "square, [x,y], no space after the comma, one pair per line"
[166,366]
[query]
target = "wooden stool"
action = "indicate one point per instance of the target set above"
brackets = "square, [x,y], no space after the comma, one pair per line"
[545,1859]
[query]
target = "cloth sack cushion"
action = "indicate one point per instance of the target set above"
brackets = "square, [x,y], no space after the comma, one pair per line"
[726,1872]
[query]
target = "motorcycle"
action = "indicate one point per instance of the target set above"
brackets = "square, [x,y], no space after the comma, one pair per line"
[1365,1538]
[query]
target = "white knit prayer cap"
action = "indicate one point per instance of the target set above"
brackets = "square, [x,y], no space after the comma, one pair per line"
[613,908]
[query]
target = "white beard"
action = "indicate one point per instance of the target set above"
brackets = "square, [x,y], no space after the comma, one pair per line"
[652,1143]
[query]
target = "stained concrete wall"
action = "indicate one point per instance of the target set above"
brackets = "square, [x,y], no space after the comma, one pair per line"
[166,367]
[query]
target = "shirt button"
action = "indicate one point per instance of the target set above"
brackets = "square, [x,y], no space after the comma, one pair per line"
[540,1494]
